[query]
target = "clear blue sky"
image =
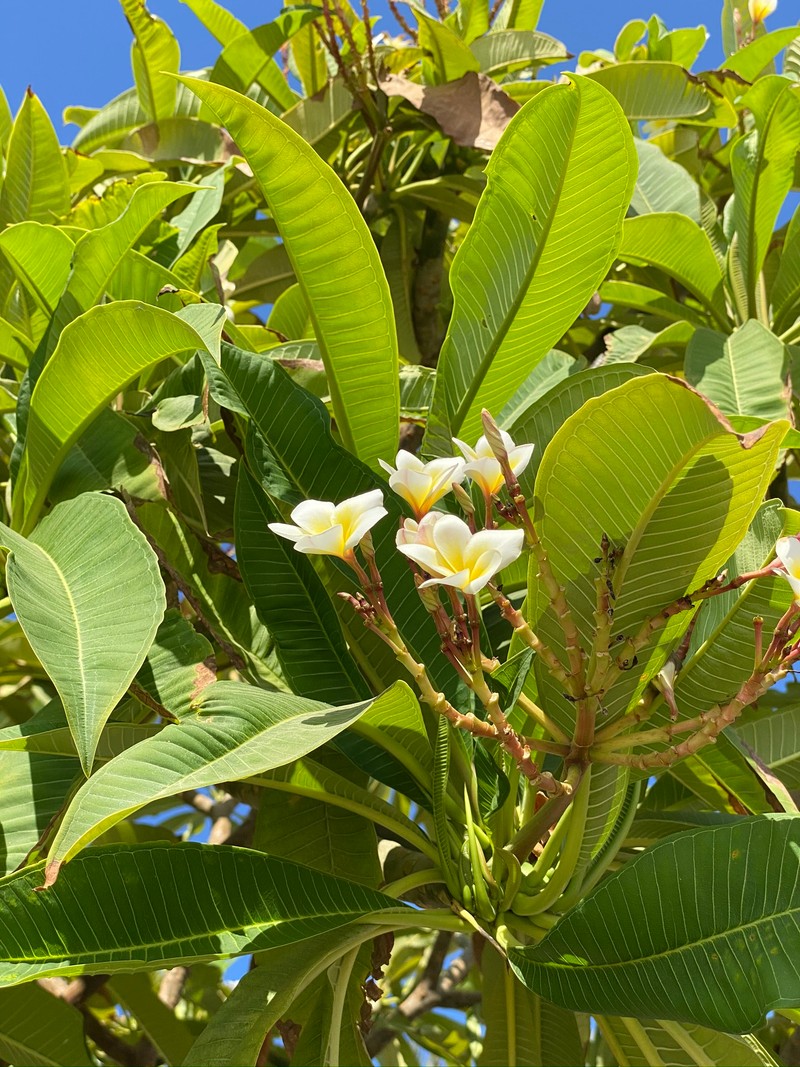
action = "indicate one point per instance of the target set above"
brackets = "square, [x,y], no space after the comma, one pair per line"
[78,52]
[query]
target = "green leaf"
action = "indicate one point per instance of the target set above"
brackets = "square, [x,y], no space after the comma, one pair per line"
[751,60]
[269,902]
[642,1043]
[48,731]
[518,15]
[178,666]
[109,603]
[40,1029]
[308,778]
[663,185]
[720,656]
[238,731]
[314,212]
[722,960]
[774,734]
[35,788]
[654,90]
[744,373]
[539,423]
[660,445]
[630,343]
[36,184]
[219,22]
[264,996]
[785,295]
[289,315]
[292,602]
[219,600]
[154,54]
[562,155]
[651,301]
[112,123]
[505,51]
[40,257]
[762,165]
[450,57]
[90,366]
[521,1028]
[249,57]
[98,254]
[675,244]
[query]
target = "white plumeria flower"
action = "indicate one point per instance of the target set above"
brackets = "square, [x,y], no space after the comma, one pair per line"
[327,529]
[445,547]
[761,9]
[788,552]
[422,484]
[483,467]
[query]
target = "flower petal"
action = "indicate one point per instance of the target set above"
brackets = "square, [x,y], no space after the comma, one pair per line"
[314,516]
[451,536]
[282,529]
[466,450]
[328,543]
[428,558]
[484,569]
[520,457]
[365,523]
[459,580]
[787,549]
[506,543]
[407,461]
[486,473]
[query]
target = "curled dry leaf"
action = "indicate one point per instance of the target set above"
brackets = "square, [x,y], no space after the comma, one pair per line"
[473,110]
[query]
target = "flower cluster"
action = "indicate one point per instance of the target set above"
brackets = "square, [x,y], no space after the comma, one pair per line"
[448,550]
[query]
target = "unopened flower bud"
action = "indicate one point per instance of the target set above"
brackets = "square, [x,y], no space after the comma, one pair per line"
[464,499]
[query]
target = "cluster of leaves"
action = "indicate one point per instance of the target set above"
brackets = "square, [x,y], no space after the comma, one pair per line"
[435,228]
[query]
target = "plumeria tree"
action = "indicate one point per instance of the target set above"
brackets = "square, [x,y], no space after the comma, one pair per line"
[487,753]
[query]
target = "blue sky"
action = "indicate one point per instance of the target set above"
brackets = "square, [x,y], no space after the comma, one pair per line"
[83,58]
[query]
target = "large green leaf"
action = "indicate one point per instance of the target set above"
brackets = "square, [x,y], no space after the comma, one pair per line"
[348,297]
[99,254]
[543,419]
[249,57]
[638,1043]
[508,50]
[685,491]
[762,165]
[559,183]
[748,62]
[219,22]
[170,1034]
[663,185]
[682,249]
[238,731]
[89,616]
[154,54]
[450,58]
[744,373]
[39,1029]
[774,735]
[36,185]
[654,90]
[699,929]
[35,787]
[785,293]
[720,656]
[220,601]
[40,256]
[521,1028]
[98,354]
[265,995]
[292,602]
[48,732]
[123,908]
